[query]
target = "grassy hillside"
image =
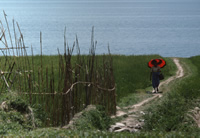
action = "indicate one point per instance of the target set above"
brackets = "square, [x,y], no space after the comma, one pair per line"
[131,73]
[172,113]
[132,77]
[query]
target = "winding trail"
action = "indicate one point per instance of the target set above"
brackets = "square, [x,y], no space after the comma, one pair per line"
[179,73]
[133,123]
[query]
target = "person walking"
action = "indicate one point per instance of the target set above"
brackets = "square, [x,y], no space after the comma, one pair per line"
[154,76]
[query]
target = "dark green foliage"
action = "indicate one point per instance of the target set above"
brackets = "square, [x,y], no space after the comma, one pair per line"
[95,119]
[190,88]
[14,101]
[19,104]
[168,116]
[9,127]
[16,116]
[40,115]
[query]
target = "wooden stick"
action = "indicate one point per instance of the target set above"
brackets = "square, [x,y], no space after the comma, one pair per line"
[8,30]
[71,88]
[6,82]
[11,48]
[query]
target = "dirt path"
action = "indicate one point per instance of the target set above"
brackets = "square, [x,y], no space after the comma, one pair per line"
[132,121]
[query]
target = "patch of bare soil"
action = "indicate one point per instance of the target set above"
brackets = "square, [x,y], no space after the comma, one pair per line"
[132,121]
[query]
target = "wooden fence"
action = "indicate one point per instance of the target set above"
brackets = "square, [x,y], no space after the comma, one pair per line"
[63,87]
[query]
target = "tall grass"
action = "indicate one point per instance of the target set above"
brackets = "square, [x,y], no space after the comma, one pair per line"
[165,120]
[132,73]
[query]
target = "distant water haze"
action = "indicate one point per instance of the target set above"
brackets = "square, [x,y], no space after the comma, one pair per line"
[170,28]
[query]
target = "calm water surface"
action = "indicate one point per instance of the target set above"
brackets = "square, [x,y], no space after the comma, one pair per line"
[131,27]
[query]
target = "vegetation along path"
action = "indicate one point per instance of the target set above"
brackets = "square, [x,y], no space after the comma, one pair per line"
[132,121]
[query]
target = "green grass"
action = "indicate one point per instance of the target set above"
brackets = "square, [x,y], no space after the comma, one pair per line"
[168,119]
[95,119]
[15,115]
[56,132]
[171,114]
[134,98]
[132,73]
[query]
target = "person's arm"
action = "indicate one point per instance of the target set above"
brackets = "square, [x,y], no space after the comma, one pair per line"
[150,74]
[159,69]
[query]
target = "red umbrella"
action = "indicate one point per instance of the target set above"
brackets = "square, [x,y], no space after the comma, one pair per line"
[160,62]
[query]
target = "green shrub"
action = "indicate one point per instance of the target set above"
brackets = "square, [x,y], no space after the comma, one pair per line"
[39,114]
[16,116]
[19,104]
[94,119]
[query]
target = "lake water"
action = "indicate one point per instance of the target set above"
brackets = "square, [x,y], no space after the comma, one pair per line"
[170,28]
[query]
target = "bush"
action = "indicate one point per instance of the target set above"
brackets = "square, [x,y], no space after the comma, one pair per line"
[19,104]
[94,119]
[16,116]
